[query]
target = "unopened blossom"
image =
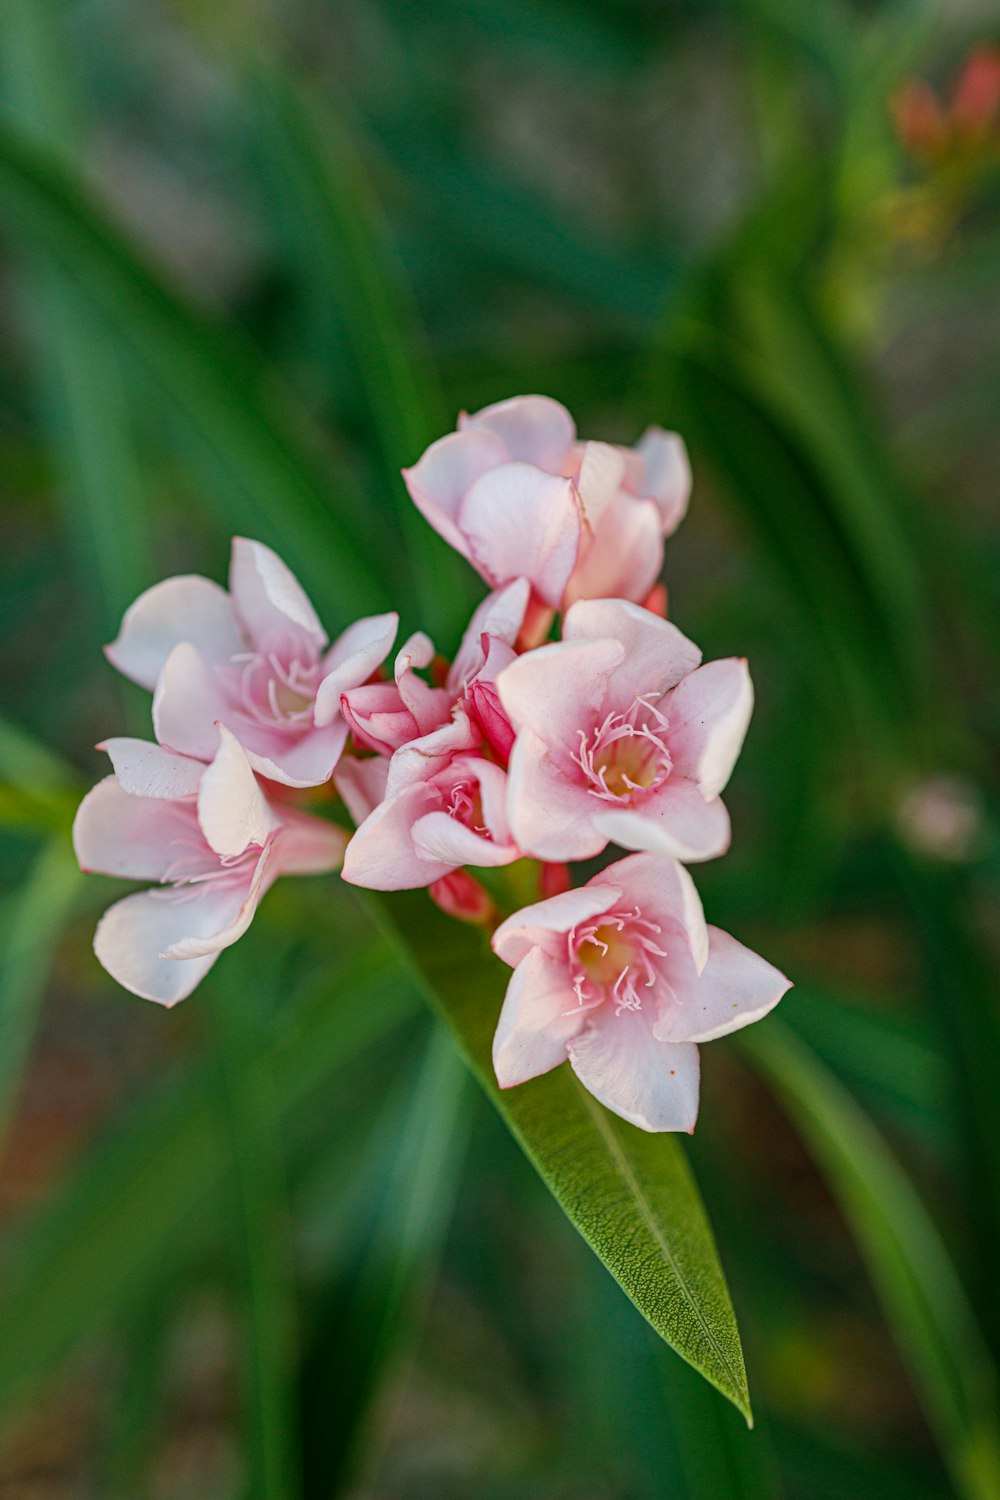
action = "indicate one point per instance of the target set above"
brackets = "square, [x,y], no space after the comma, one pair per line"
[255,659]
[623,977]
[383,716]
[212,842]
[622,738]
[444,806]
[517,494]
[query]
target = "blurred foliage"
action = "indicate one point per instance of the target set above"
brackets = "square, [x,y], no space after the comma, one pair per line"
[258,254]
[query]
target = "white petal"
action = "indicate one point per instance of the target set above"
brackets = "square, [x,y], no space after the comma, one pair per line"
[540,1014]
[305,845]
[299,760]
[534,429]
[655,653]
[381,856]
[556,690]
[351,660]
[130,940]
[361,783]
[147,770]
[665,893]
[137,838]
[269,600]
[652,1084]
[551,815]
[623,556]
[439,482]
[735,988]
[602,470]
[678,824]
[665,476]
[439,837]
[188,703]
[520,522]
[708,715]
[188,608]
[232,809]
[500,616]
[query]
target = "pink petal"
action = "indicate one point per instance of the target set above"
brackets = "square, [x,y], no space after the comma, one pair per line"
[556,690]
[232,810]
[361,783]
[147,770]
[351,660]
[551,815]
[439,837]
[492,780]
[216,924]
[307,846]
[624,555]
[651,1083]
[483,704]
[534,429]
[137,838]
[500,616]
[534,926]
[602,471]
[520,522]
[708,714]
[295,759]
[377,717]
[179,609]
[439,482]
[381,856]
[269,599]
[655,653]
[665,893]
[677,823]
[188,703]
[665,475]
[539,1016]
[430,707]
[735,988]
[462,897]
[422,758]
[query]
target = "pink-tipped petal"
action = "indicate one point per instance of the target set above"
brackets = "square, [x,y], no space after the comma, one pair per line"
[351,660]
[533,429]
[551,814]
[677,823]
[534,926]
[708,715]
[188,608]
[147,770]
[651,1083]
[269,600]
[137,838]
[539,1017]
[556,690]
[655,653]
[232,810]
[439,482]
[188,703]
[735,988]
[665,475]
[522,523]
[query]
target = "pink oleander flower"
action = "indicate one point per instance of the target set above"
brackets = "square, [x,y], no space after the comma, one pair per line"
[444,806]
[383,716]
[255,659]
[622,738]
[515,492]
[623,977]
[210,838]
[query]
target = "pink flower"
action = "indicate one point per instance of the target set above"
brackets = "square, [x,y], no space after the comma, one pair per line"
[255,659]
[516,494]
[620,739]
[212,841]
[444,806]
[623,977]
[384,716]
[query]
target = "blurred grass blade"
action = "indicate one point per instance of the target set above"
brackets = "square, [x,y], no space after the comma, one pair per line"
[79,376]
[908,1262]
[374,1309]
[260,1229]
[322,185]
[630,1194]
[38,790]
[247,424]
[35,916]
[114,1220]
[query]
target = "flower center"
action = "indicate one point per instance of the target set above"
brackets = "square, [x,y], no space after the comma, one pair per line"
[627,753]
[273,691]
[612,959]
[466,806]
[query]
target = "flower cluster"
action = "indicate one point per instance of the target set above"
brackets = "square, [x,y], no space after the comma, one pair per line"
[524,747]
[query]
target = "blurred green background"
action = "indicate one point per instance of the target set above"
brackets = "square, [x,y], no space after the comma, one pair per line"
[256,257]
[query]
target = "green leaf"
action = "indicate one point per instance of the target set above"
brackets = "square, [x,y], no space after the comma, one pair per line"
[630,1194]
[247,425]
[921,1294]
